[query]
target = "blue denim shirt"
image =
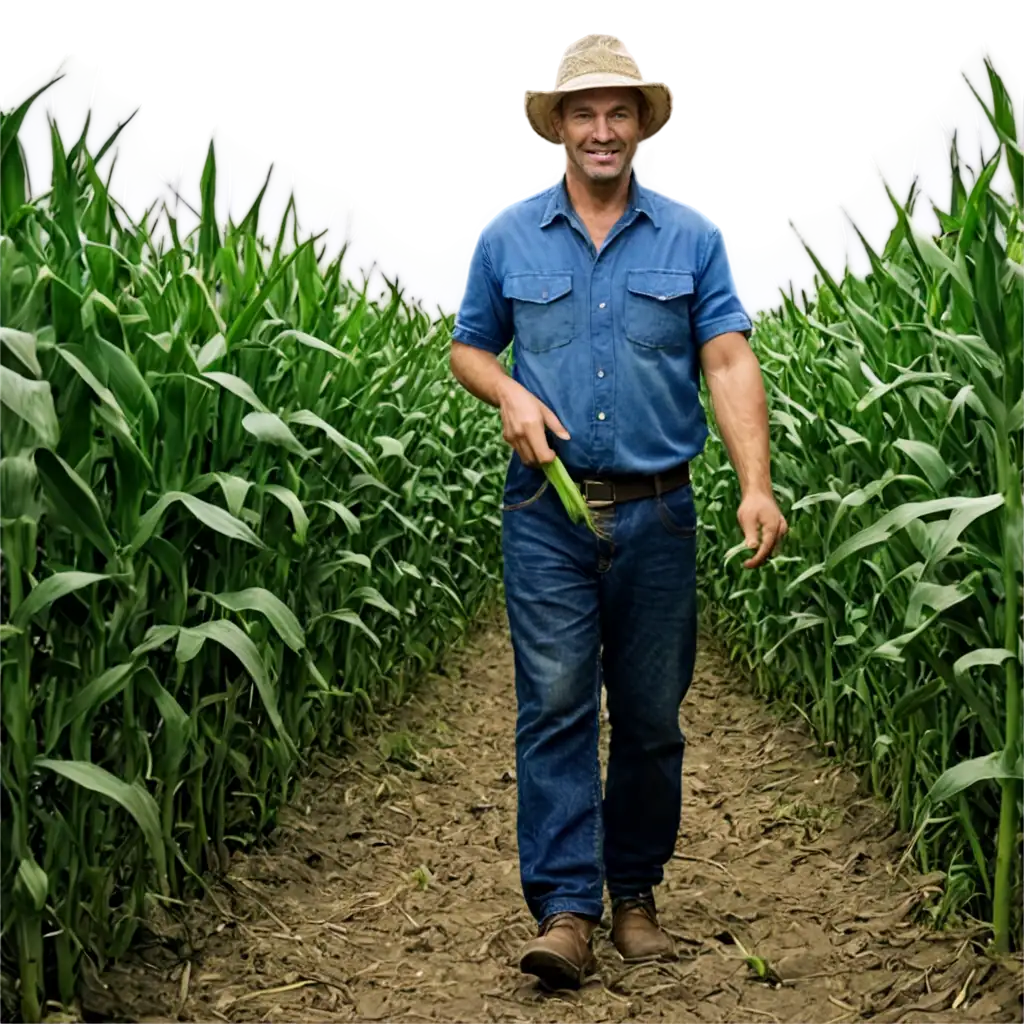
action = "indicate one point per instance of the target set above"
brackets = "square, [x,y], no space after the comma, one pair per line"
[608,340]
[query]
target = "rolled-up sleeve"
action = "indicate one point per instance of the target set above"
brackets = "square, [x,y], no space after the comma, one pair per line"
[484,319]
[717,308]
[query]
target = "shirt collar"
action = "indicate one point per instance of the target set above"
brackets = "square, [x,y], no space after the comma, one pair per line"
[560,206]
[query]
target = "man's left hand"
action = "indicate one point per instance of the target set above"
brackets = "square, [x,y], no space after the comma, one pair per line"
[763,526]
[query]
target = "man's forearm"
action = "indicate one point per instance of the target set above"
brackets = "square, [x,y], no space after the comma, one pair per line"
[741,412]
[479,372]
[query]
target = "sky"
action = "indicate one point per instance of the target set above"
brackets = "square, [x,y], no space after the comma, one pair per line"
[750,197]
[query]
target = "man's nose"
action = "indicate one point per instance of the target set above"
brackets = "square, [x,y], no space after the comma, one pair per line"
[602,130]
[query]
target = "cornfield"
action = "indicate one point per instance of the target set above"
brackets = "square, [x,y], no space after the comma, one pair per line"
[891,619]
[244,508]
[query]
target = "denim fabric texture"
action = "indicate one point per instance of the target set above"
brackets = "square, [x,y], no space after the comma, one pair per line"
[610,340]
[582,611]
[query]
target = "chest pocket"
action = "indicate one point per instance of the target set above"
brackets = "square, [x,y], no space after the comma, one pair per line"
[658,308]
[542,309]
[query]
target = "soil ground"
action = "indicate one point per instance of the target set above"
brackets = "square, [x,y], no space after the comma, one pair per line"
[390,891]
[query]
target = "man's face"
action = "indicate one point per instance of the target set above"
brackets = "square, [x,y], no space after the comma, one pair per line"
[601,129]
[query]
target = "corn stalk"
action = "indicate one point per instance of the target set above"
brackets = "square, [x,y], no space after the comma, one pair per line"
[244,509]
[892,617]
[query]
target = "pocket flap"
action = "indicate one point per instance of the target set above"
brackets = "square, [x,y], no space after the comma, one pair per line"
[660,284]
[536,287]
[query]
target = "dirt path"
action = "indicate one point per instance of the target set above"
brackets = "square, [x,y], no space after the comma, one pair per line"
[392,892]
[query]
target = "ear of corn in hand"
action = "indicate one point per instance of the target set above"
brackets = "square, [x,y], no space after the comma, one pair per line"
[573,500]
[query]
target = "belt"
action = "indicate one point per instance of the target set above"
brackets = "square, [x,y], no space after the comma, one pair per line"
[600,492]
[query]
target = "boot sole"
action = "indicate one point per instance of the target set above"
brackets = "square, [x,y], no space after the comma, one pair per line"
[553,971]
[649,958]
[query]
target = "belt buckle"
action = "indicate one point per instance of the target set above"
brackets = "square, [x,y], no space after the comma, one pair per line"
[598,502]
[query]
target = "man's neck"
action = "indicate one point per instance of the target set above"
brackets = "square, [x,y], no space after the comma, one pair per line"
[598,202]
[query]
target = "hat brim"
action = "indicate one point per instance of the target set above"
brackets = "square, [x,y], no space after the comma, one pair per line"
[540,105]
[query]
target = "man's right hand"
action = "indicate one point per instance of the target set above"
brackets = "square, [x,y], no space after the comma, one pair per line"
[523,418]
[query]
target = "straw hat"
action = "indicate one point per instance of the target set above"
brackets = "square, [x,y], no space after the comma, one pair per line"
[596,62]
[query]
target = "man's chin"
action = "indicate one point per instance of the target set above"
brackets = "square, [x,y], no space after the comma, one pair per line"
[604,175]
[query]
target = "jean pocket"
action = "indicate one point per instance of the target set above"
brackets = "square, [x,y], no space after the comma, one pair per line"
[524,485]
[543,317]
[677,512]
[508,505]
[658,308]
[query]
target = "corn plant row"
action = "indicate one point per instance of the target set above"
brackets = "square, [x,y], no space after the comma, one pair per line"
[891,619]
[244,506]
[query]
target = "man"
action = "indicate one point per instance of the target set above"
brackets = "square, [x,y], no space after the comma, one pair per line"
[617,298]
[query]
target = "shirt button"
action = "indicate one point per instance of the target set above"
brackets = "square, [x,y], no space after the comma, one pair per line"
[600,373]
[601,305]
[600,415]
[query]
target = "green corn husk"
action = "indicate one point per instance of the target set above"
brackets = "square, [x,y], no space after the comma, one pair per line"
[572,498]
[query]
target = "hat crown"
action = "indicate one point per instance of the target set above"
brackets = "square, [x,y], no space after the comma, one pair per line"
[596,54]
[597,62]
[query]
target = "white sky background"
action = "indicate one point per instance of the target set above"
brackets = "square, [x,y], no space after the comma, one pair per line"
[921,148]
[142,166]
[759,272]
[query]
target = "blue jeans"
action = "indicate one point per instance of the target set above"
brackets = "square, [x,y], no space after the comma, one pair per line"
[583,610]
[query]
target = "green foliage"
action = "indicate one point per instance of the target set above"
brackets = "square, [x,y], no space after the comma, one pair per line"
[244,506]
[891,617]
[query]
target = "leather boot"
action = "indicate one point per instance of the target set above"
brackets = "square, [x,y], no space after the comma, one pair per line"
[636,932]
[561,954]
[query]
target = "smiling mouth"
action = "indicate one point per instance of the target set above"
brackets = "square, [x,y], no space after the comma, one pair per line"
[601,157]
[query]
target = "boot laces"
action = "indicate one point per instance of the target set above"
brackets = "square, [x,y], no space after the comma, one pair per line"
[563,919]
[645,904]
